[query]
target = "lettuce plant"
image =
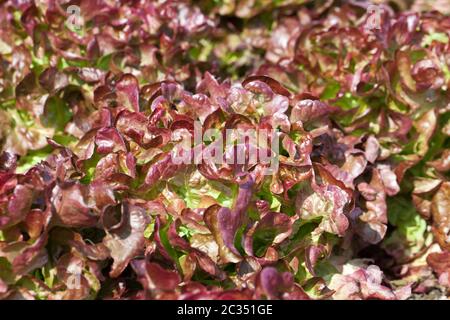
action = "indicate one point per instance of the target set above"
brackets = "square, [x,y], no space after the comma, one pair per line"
[95,115]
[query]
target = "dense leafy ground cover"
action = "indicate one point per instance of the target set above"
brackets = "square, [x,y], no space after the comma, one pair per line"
[94,205]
